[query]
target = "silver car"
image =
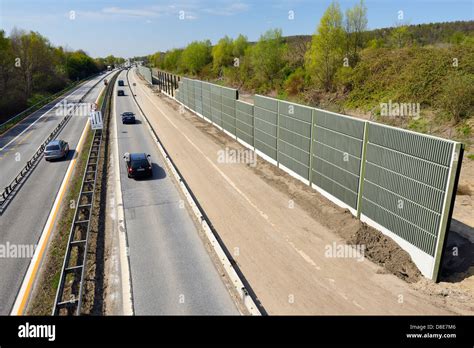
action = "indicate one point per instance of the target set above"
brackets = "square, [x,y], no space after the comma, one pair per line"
[56,149]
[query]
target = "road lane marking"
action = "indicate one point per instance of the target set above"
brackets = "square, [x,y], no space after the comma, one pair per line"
[28,280]
[127,300]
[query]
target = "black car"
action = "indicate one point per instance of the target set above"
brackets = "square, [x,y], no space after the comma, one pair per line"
[128,118]
[120,93]
[121,83]
[138,165]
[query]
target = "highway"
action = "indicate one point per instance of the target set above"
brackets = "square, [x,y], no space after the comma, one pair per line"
[171,271]
[19,143]
[22,222]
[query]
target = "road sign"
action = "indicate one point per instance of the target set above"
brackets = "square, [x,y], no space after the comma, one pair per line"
[96,120]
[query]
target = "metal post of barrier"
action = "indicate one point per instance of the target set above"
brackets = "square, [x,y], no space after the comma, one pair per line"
[362,169]
[172,85]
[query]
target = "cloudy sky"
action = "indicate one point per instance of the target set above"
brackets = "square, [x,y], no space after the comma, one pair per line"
[138,27]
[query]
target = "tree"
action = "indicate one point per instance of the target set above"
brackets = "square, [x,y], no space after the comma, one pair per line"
[326,52]
[267,58]
[196,56]
[222,54]
[34,55]
[240,45]
[356,25]
[172,60]
[400,35]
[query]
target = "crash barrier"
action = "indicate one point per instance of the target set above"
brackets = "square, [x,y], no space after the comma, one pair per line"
[69,294]
[7,194]
[401,182]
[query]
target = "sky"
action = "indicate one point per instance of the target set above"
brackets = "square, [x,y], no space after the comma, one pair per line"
[129,28]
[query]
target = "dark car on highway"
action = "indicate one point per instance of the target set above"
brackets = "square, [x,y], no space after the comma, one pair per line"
[56,149]
[138,165]
[128,118]
[121,83]
[120,93]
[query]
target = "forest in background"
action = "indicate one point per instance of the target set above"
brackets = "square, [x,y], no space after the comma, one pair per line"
[31,69]
[347,68]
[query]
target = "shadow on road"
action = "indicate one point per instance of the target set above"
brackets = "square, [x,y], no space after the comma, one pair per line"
[158,173]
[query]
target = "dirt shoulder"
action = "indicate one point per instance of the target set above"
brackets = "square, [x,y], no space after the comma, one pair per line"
[280,231]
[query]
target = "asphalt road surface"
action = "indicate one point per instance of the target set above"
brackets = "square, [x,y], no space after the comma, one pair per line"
[23,220]
[171,272]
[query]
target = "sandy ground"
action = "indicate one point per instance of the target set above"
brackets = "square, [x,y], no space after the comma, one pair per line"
[463,208]
[279,241]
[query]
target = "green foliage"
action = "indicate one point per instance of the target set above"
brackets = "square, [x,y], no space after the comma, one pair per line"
[240,46]
[400,36]
[464,129]
[471,156]
[419,125]
[35,98]
[172,59]
[356,25]
[409,75]
[404,64]
[80,65]
[326,52]
[195,57]
[222,54]
[295,82]
[31,68]
[267,61]
[456,97]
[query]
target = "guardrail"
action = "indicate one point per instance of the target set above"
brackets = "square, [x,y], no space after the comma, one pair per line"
[9,191]
[42,103]
[68,300]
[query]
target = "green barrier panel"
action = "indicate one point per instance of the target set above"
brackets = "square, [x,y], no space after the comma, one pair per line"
[294,141]
[216,105]
[405,181]
[244,122]
[337,153]
[206,100]
[265,123]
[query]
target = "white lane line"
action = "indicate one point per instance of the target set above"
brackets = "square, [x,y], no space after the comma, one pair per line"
[127,300]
